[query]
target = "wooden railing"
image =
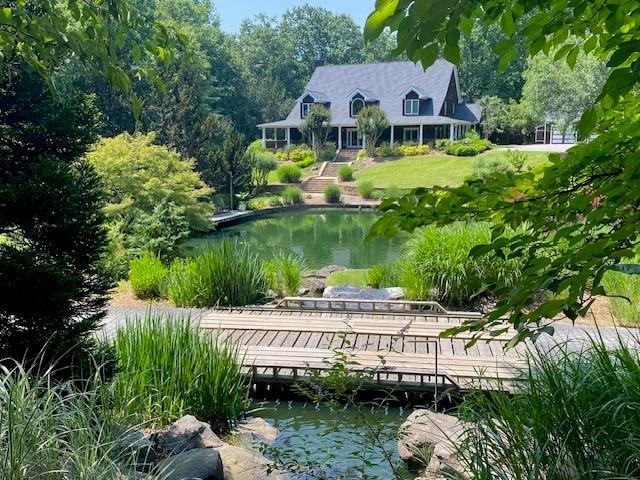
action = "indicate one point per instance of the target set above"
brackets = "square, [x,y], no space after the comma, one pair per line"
[358,305]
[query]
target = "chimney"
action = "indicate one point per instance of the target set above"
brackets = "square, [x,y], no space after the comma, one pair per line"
[319,61]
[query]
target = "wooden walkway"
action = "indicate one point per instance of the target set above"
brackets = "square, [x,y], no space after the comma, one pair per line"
[280,345]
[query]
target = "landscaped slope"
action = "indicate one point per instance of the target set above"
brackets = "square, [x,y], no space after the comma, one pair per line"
[430,170]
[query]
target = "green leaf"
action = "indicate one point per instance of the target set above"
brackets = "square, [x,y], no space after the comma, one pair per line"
[376,22]
[588,122]
[507,23]
[429,55]
[136,107]
[572,56]
[452,53]
[5,15]
[590,44]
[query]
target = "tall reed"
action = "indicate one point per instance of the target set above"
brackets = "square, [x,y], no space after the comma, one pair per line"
[284,273]
[227,274]
[438,265]
[577,416]
[168,367]
[58,430]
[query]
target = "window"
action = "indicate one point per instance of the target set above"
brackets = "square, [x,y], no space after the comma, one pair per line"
[305,109]
[357,104]
[410,134]
[412,106]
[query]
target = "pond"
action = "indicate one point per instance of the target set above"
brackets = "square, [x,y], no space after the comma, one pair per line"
[325,237]
[336,443]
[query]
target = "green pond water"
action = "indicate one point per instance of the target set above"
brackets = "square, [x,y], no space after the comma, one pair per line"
[321,237]
[335,443]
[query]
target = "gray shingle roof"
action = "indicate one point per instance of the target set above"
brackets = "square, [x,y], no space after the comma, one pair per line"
[384,82]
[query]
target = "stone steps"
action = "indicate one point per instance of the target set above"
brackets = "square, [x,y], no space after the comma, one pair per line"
[317,184]
[332,169]
[346,156]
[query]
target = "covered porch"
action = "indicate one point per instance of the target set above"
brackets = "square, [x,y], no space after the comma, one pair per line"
[275,136]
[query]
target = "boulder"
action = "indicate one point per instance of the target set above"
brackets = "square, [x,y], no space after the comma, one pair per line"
[302,291]
[325,272]
[315,285]
[185,434]
[196,464]
[360,293]
[432,437]
[140,447]
[242,464]
[257,430]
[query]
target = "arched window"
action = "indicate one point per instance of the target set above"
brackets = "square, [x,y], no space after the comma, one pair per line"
[357,104]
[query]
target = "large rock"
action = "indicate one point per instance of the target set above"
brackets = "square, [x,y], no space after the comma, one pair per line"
[360,293]
[432,437]
[196,464]
[257,430]
[242,464]
[185,434]
[325,272]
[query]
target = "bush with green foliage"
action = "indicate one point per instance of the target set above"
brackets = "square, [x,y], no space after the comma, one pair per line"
[483,168]
[345,173]
[409,150]
[264,163]
[517,159]
[328,153]
[289,174]
[147,274]
[460,150]
[60,430]
[438,267]
[332,194]
[168,367]
[386,150]
[306,161]
[382,276]
[52,238]
[226,274]
[366,189]
[154,197]
[292,195]
[574,416]
[284,274]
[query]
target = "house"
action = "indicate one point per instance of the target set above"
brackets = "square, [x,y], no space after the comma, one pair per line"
[422,105]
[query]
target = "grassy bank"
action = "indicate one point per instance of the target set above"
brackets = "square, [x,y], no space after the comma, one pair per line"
[431,170]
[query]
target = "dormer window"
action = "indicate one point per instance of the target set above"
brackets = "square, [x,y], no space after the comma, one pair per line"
[357,104]
[306,107]
[412,106]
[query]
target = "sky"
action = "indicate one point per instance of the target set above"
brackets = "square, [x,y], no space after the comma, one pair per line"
[232,12]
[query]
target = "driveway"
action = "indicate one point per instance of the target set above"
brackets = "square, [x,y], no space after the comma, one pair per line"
[539,147]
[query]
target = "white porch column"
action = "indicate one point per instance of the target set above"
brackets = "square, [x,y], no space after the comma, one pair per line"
[264,137]
[364,143]
[288,136]
[420,135]
[451,132]
[391,142]
[339,138]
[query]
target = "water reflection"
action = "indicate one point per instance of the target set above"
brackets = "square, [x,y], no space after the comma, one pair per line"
[323,238]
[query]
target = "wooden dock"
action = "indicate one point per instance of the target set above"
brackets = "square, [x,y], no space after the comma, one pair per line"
[282,344]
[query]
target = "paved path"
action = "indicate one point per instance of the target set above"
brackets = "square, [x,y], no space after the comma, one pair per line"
[279,345]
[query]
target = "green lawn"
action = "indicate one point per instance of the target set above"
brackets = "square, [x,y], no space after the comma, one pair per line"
[431,170]
[356,278]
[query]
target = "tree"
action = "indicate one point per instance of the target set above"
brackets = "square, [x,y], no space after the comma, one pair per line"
[493,113]
[479,72]
[316,128]
[51,235]
[139,175]
[559,92]
[316,32]
[371,122]
[581,216]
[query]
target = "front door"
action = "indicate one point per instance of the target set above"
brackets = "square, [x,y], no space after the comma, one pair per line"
[353,139]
